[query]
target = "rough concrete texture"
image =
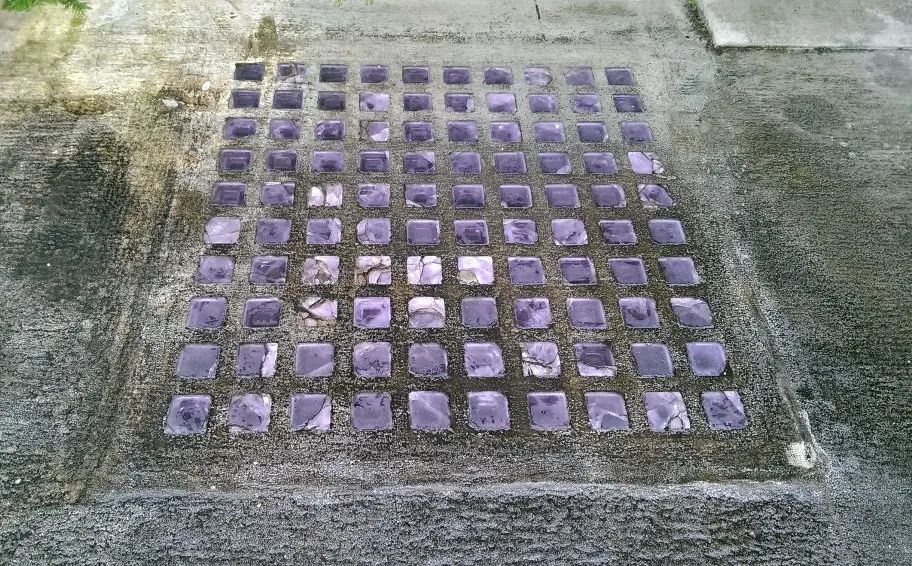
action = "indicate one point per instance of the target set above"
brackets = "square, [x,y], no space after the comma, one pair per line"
[796,165]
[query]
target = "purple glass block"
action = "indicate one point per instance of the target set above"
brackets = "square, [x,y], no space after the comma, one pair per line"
[475,270]
[236,128]
[426,312]
[373,101]
[628,270]
[371,195]
[628,103]
[579,76]
[248,71]
[691,313]
[600,163]
[315,359]
[537,76]
[273,231]
[569,232]
[543,103]
[291,72]
[635,132]
[324,231]
[374,231]
[422,232]
[618,232]
[429,411]
[215,269]
[420,195]
[532,312]
[483,359]
[471,232]
[465,162]
[510,163]
[333,73]
[372,312]
[462,131]
[679,270]
[724,410]
[666,231]
[515,196]
[594,359]
[592,132]
[457,75]
[419,162]
[187,414]
[606,411]
[652,360]
[585,103]
[206,313]
[554,163]
[619,76]
[229,194]
[548,410]
[235,159]
[645,163]
[262,312]
[282,160]
[243,98]
[418,131]
[639,312]
[256,360]
[498,76]
[577,270]
[284,129]
[198,361]
[519,231]
[488,410]
[707,359]
[665,411]
[609,196]
[586,313]
[549,132]
[424,270]
[501,102]
[372,130]
[655,196]
[373,161]
[505,132]
[320,270]
[416,101]
[329,194]
[329,130]
[371,411]
[249,413]
[310,411]
[458,102]
[287,99]
[427,360]
[331,100]
[278,193]
[328,161]
[478,312]
[372,359]
[373,74]
[526,271]
[468,196]
[373,270]
[316,312]
[540,359]
[222,230]
[415,75]
[562,196]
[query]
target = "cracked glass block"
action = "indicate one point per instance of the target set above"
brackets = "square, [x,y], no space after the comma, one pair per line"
[422,232]
[415,75]
[540,359]
[465,162]
[268,269]
[665,411]
[320,270]
[609,196]
[634,132]
[281,160]
[327,195]
[592,132]
[372,312]
[628,103]
[424,270]
[373,101]
[198,361]
[418,131]
[229,194]
[374,231]
[510,163]
[628,270]
[427,360]
[277,193]
[371,411]
[548,410]
[579,76]
[315,359]
[372,359]
[468,196]
[328,161]
[291,72]
[426,312]
[707,359]
[248,71]
[287,99]
[419,162]
[236,128]
[457,75]
[333,73]
[691,313]
[600,163]
[462,131]
[273,231]
[679,271]
[329,130]
[562,196]
[372,130]
[619,76]
[505,132]
[215,269]
[373,161]
[331,100]
[618,232]
[222,230]
[606,411]
[498,76]
[483,359]
[532,312]
[475,270]
[667,231]
[373,74]
[243,98]
[206,313]
[586,313]
[577,270]
[249,413]
[310,411]
[549,132]
[471,232]
[724,410]
[515,196]
[639,312]
[655,196]
[645,163]
[256,360]
[501,102]
[543,103]
[429,411]
[374,195]
[262,312]
[324,231]
[373,270]
[488,410]
[537,76]
[416,101]
[595,359]
[555,163]
[526,271]
[235,159]
[187,414]
[585,103]
[420,195]
[569,232]
[519,231]
[284,129]
[458,102]
[478,312]
[652,360]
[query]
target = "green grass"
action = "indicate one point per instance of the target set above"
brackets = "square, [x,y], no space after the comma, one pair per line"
[21,5]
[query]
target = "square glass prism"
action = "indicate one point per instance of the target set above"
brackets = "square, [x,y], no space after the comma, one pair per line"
[273,231]
[665,411]
[540,359]
[592,132]
[636,132]
[332,73]
[324,231]
[606,411]
[453,75]
[249,413]
[526,271]
[609,196]
[507,132]
[510,163]
[374,195]
[548,410]
[579,76]
[501,102]
[419,162]
[229,194]
[562,196]
[268,269]
[549,132]
[639,312]
[331,100]
[315,359]
[222,230]
[287,99]
[256,360]
[569,232]
[691,313]
[310,411]
[520,231]
[618,232]
[488,411]
[281,160]
[628,270]
[262,312]
[320,270]
[416,101]
[645,163]
[187,414]
[679,271]
[468,196]
[422,232]
[373,161]
[586,313]
[555,163]
[284,129]
[619,76]
[372,359]
[595,359]
[458,102]
[600,163]
[245,98]
[478,312]
[248,71]
[329,130]
[420,195]
[532,312]
[655,196]
[462,131]
[537,76]
[415,75]
[465,162]
[471,232]
[418,131]
[498,76]
[515,196]
[372,312]
[235,159]
[371,411]
[429,411]
[577,270]
[628,103]
[237,128]
[585,103]
[652,359]
[475,270]
[483,359]
[667,231]
[373,74]
[374,231]
[724,410]
[198,361]
[373,130]
[426,312]
[707,359]
[373,101]
[427,360]
[277,193]
[543,103]
[328,161]
[215,269]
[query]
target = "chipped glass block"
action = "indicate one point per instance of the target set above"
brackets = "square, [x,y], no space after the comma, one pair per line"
[424,270]
[273,230]
[569,232]
[471,232]
[585,103]
[420,195]
[519,231]
[515,196]
[287,99]
[236,128]
[215,269]
[595,359]
[198,361]
[462,131]
[229,194]
[249,413]
[475,270]
[333,73]
[592,132]
[187,414]
[284,129]
[418,131]
[628,270]
[331,100]
[639,312]
[373,270]
[235,159]
[468,196]
[328,161]
[707,359]
[600,163]
[498,76]
[619,76]
[465,162]
[488,410]
[579,76]
[372,359]
[526,271]
[373,161]
[456,75]
[724,410]
[310,411]
[374,195]
[373,74]
[606,411]
[609,196]
[537,76]
[562,196]
[329,194]
[291,72]
[655,196]
[419,162]
[427,360]
[501,102]
[422,232]
[628,103]
[668,231]
[510,163]
[543,103]
[375,231]
[586,313]
[577,270]
[329,130]
[555,163]
[426,312]
[478,312]
[679,271]
[371,411]
[665,411]
[268,269]
[248,71]
[691,313]
[282,160]
[320,270]
[324,231]
[548,410]
[372,312]
[549,132]
[256,360]
[540,359]
[635,132]
[532,312]
[262,312]
[372,130]
[373,101]
[222,230]
[278,193]
[458,102]
[243,98]
[505,132]
[652,360]
[618,232]
[415,75]
[429,411]
[645,163]
[416,101]
[483,359]
[315,359]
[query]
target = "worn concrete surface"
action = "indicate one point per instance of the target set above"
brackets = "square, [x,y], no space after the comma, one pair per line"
[797,164]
